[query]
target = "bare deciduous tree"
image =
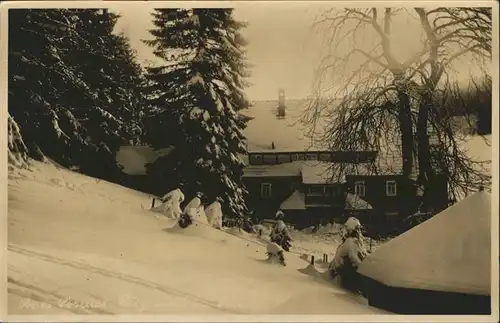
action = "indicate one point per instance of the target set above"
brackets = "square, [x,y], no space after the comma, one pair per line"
[393,106]
[381,69]
[450,34]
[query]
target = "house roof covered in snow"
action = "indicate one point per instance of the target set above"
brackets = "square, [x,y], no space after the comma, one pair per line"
[312,172]
[296,201]
[339,171]
[288,133]
[279,170]
[450,252]
[316,172]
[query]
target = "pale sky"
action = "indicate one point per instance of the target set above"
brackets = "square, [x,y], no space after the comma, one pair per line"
[282,48]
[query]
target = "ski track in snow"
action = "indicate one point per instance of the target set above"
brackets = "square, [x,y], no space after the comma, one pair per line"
[77,245]
[117,275]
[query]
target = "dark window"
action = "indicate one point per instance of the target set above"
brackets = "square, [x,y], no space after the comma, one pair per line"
[269,159]
[265,190]
[333,190]
[362,157]
[391,188]
[317,190]
[341,157]
[351,156]
[255,159]
[325,157]
[311,156]
[284,158]
[359,188]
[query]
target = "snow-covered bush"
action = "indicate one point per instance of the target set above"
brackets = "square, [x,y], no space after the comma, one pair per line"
[17,150]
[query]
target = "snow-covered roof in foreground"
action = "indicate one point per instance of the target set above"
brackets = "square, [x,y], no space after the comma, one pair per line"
[450,252]
[288,134]
[296,201]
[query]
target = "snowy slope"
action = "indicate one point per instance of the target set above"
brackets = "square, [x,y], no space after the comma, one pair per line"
[78,245]
[479,148]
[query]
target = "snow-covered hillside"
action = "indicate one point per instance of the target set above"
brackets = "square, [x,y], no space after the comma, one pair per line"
[78,245]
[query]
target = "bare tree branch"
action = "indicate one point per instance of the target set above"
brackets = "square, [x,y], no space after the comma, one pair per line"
[377,104]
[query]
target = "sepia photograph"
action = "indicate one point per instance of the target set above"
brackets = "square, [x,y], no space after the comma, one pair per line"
[260,160]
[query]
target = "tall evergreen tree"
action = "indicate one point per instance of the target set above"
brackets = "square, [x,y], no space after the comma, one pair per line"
[39,79]
[73,85]
[108,66]
[197,96]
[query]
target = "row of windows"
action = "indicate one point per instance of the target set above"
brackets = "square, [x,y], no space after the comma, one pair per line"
[287,158]
[359,189]
[266,190]
[324,190]
[390,188]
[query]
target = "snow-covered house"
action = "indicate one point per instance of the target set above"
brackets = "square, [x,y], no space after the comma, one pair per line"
[385,198]
[286,170]
[302,189]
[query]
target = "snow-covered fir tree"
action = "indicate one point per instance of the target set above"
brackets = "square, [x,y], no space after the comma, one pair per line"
[197,95]
[74,87]
[108,66]
[16,149]
[39,80]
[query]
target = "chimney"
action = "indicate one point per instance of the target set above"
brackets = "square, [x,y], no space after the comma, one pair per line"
[281,97]
[281,103]
[273,146]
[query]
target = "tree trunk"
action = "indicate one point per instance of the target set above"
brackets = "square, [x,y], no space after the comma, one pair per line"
[406,128]
[426,173]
